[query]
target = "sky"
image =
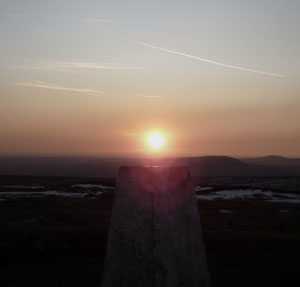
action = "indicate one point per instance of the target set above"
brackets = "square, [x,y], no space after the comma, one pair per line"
[94,78]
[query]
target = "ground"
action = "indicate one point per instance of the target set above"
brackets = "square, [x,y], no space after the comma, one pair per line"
[54,230]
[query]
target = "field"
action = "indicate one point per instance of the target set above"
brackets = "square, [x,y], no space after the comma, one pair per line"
[54,230]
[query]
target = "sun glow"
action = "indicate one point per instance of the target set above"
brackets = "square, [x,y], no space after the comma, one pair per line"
[156,140]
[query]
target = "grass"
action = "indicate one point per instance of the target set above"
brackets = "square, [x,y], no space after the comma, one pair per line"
[61,241]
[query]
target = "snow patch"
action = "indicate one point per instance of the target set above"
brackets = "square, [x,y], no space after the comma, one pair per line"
[203,188]
[46,194]
[268,196]
[87,185]
[207,197]
[24,186]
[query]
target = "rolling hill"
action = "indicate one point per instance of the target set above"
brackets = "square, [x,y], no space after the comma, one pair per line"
[104,167]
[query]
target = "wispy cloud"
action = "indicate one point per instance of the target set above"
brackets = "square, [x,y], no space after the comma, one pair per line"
[50,86]
[207,60]
[72,67]
[96,20]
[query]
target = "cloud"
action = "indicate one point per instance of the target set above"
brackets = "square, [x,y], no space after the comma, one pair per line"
[72,67]
[96,20]
[49,86]
[206,60]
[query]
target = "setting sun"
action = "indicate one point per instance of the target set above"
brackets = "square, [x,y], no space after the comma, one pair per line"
[156,140]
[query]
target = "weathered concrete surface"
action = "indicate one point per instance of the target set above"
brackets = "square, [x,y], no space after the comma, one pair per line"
[155,234]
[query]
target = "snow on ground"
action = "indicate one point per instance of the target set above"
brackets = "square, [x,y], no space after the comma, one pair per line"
[231,194]
[87,185]
[34,191]
[24,186]
[14,194]
[269,196]
[203,188]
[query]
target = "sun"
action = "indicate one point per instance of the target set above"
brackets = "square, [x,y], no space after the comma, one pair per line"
[156,140]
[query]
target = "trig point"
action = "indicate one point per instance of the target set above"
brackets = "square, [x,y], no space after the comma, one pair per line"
[155,237]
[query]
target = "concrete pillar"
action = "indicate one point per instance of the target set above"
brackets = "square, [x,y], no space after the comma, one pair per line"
[155,235]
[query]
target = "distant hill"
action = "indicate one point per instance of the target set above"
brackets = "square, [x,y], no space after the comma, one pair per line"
[108,168]
[274,160]
[228,166]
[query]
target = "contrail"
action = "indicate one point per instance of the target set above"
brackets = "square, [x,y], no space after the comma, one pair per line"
[50,86]
[206,60]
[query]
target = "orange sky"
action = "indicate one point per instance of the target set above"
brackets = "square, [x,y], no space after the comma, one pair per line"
[215,78]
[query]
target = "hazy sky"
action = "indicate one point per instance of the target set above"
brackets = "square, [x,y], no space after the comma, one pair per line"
[95,77]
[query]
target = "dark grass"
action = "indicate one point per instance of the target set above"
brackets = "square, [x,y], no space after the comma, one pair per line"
[61,241]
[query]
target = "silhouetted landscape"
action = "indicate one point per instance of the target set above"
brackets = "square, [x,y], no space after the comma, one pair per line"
[108,167]
[54,228]
[149,143]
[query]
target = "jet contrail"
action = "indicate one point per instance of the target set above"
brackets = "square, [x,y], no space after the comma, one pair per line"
[46,85]
[206,60]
